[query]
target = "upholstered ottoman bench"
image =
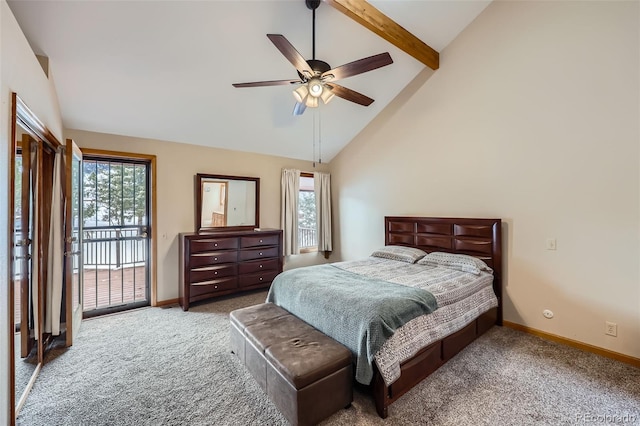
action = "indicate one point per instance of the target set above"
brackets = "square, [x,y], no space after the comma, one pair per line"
[306,374]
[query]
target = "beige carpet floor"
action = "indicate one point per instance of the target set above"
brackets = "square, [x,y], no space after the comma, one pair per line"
[163,366]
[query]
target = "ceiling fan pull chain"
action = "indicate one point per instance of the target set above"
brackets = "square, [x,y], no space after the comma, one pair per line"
[314,138]
[319,137]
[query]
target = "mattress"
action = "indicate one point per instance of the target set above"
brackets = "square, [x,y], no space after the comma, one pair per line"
[461,297]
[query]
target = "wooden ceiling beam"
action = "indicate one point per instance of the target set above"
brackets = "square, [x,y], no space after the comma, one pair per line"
[367,15]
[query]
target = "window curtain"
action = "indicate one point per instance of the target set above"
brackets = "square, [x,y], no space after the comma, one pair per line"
[55,264]
[290,190]
[322,189]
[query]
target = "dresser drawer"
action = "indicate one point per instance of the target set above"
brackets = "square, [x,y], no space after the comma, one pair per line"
[258,266]
[212,244]
[258,253]
[213,258]
[256,279]
[212,286]
[259,240]
[206,273]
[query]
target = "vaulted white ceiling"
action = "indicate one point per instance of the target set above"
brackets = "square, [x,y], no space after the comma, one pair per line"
[164,69]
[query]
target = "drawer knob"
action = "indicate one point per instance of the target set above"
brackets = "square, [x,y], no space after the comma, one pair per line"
[260,278]
[261,266]
[215,273]
[215,258]
[260,253]
[215,244]
[215,286]
[260,240]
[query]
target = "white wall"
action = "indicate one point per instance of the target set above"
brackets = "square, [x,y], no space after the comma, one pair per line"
[177,164]
[5,318]
[20,72]
[533,117]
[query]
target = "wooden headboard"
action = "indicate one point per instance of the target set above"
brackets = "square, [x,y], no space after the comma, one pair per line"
[481,238]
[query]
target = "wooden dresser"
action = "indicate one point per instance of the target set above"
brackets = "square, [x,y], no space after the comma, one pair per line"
[218,263]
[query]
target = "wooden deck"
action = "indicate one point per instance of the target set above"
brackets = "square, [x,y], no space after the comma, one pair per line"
[111,287]
[127,286]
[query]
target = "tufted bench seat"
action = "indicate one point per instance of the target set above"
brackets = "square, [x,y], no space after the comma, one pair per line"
[306,374]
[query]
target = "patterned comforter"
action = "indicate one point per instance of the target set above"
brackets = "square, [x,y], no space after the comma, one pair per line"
[461,297]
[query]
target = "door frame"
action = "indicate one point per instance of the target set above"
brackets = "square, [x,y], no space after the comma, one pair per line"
[153,249]
[23,116]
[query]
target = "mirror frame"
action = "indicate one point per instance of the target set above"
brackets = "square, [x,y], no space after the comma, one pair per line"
[202,177]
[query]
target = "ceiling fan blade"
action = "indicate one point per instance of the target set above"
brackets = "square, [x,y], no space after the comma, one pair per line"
[350,95]
[299,108]
[291,54]
[267,83]
[358,67]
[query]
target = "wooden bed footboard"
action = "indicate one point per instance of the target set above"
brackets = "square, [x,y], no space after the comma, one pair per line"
[427,361]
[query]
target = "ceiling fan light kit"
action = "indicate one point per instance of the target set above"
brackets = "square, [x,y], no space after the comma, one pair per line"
[326,95]
[315,87]
[315,75]
[311,102]
[301,93]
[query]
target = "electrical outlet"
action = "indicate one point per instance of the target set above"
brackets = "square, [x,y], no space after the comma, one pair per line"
[551,243]
[611,328]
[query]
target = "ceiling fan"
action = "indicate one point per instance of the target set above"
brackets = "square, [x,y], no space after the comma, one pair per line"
[317,78]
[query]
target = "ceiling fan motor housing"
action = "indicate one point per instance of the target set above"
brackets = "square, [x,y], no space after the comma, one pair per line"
[317,66]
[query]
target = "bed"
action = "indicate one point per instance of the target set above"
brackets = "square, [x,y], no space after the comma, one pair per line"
[459,305]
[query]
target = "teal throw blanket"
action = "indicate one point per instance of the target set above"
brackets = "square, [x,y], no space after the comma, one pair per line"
[359,312]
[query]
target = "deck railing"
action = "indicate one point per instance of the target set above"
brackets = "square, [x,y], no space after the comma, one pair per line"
[307,237]
[114,263]
[113,247]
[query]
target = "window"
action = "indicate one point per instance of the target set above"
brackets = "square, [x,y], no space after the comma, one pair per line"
[307,221]
[306,212]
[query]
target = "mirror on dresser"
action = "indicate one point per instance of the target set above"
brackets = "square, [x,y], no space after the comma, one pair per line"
[226,202]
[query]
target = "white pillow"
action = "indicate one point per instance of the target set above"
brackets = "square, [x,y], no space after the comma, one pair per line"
[460,262]
[400,253]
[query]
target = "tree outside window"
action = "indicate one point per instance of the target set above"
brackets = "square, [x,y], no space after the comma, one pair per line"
[307,225]
[114,194]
